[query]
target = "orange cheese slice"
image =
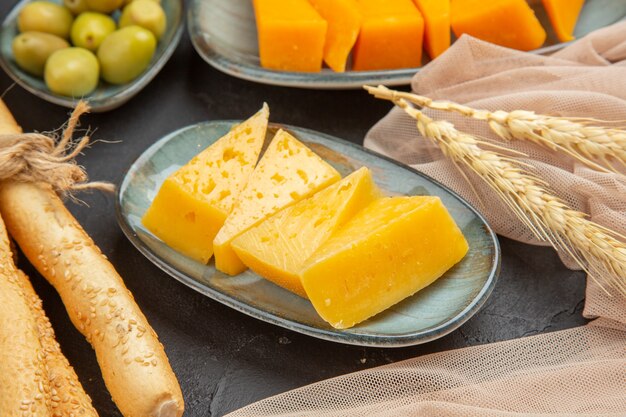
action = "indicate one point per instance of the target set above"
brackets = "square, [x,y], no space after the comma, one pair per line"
[193,202]
[277,248]
[436,14]
[563,15]
[291,35]
[344,21]
[387,252]
[510,23]
[287,172]
[391,35]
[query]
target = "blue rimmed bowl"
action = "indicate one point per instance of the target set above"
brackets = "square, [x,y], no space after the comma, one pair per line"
[106,96]
[431,313]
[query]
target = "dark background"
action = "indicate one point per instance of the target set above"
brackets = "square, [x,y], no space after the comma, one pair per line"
[225,359]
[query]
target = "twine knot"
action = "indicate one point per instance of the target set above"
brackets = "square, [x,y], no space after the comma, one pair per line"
[36,157]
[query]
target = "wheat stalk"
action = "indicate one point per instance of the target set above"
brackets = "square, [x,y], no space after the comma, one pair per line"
[597,147]
[596,249]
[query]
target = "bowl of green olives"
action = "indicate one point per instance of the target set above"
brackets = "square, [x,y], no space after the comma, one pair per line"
[102,51]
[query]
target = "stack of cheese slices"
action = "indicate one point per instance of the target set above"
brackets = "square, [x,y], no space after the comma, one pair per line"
[291,218]
[298,35]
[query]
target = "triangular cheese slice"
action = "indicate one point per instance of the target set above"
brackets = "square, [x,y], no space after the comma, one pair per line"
[192,204]
[436,14]
[344,21]
[277,248]
[563,15]
[287,173]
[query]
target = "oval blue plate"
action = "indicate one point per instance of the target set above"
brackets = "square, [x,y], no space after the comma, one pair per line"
[106,96]
[431,313]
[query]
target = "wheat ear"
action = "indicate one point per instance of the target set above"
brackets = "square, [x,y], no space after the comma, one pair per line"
[596,249]
[597,147]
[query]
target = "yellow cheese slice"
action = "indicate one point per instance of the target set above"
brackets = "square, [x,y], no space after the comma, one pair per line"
[277,248]
[390,250]
[287,173]
[192,204]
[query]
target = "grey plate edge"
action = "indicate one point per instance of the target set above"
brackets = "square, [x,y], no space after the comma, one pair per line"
[411,339]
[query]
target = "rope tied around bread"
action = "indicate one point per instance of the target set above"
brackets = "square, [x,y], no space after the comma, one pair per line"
[37,157]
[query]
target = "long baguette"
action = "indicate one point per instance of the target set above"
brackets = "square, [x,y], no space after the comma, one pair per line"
[133,362]
[24,384]
[67,396]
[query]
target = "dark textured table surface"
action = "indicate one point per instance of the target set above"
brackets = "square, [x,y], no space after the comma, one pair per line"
[225,359]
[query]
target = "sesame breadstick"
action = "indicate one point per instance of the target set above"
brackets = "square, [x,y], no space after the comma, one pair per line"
[133,362]
[24,385]
[67,395]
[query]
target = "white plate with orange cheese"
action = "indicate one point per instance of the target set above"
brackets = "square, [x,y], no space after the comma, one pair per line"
[341,243]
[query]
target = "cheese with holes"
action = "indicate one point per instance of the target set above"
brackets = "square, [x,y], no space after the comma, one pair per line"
[390,250]
[192,204]
[563,15]
[510,23]
[291,35]
[391,35]
[436,14]
[344,21]
[287,172]
[277,248]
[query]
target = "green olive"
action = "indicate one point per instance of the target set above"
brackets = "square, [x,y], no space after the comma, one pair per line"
[104,6]
[145,13]
[72,72]
[90,29]
[43,16]
[76,6]
[32,49]
[126,53]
